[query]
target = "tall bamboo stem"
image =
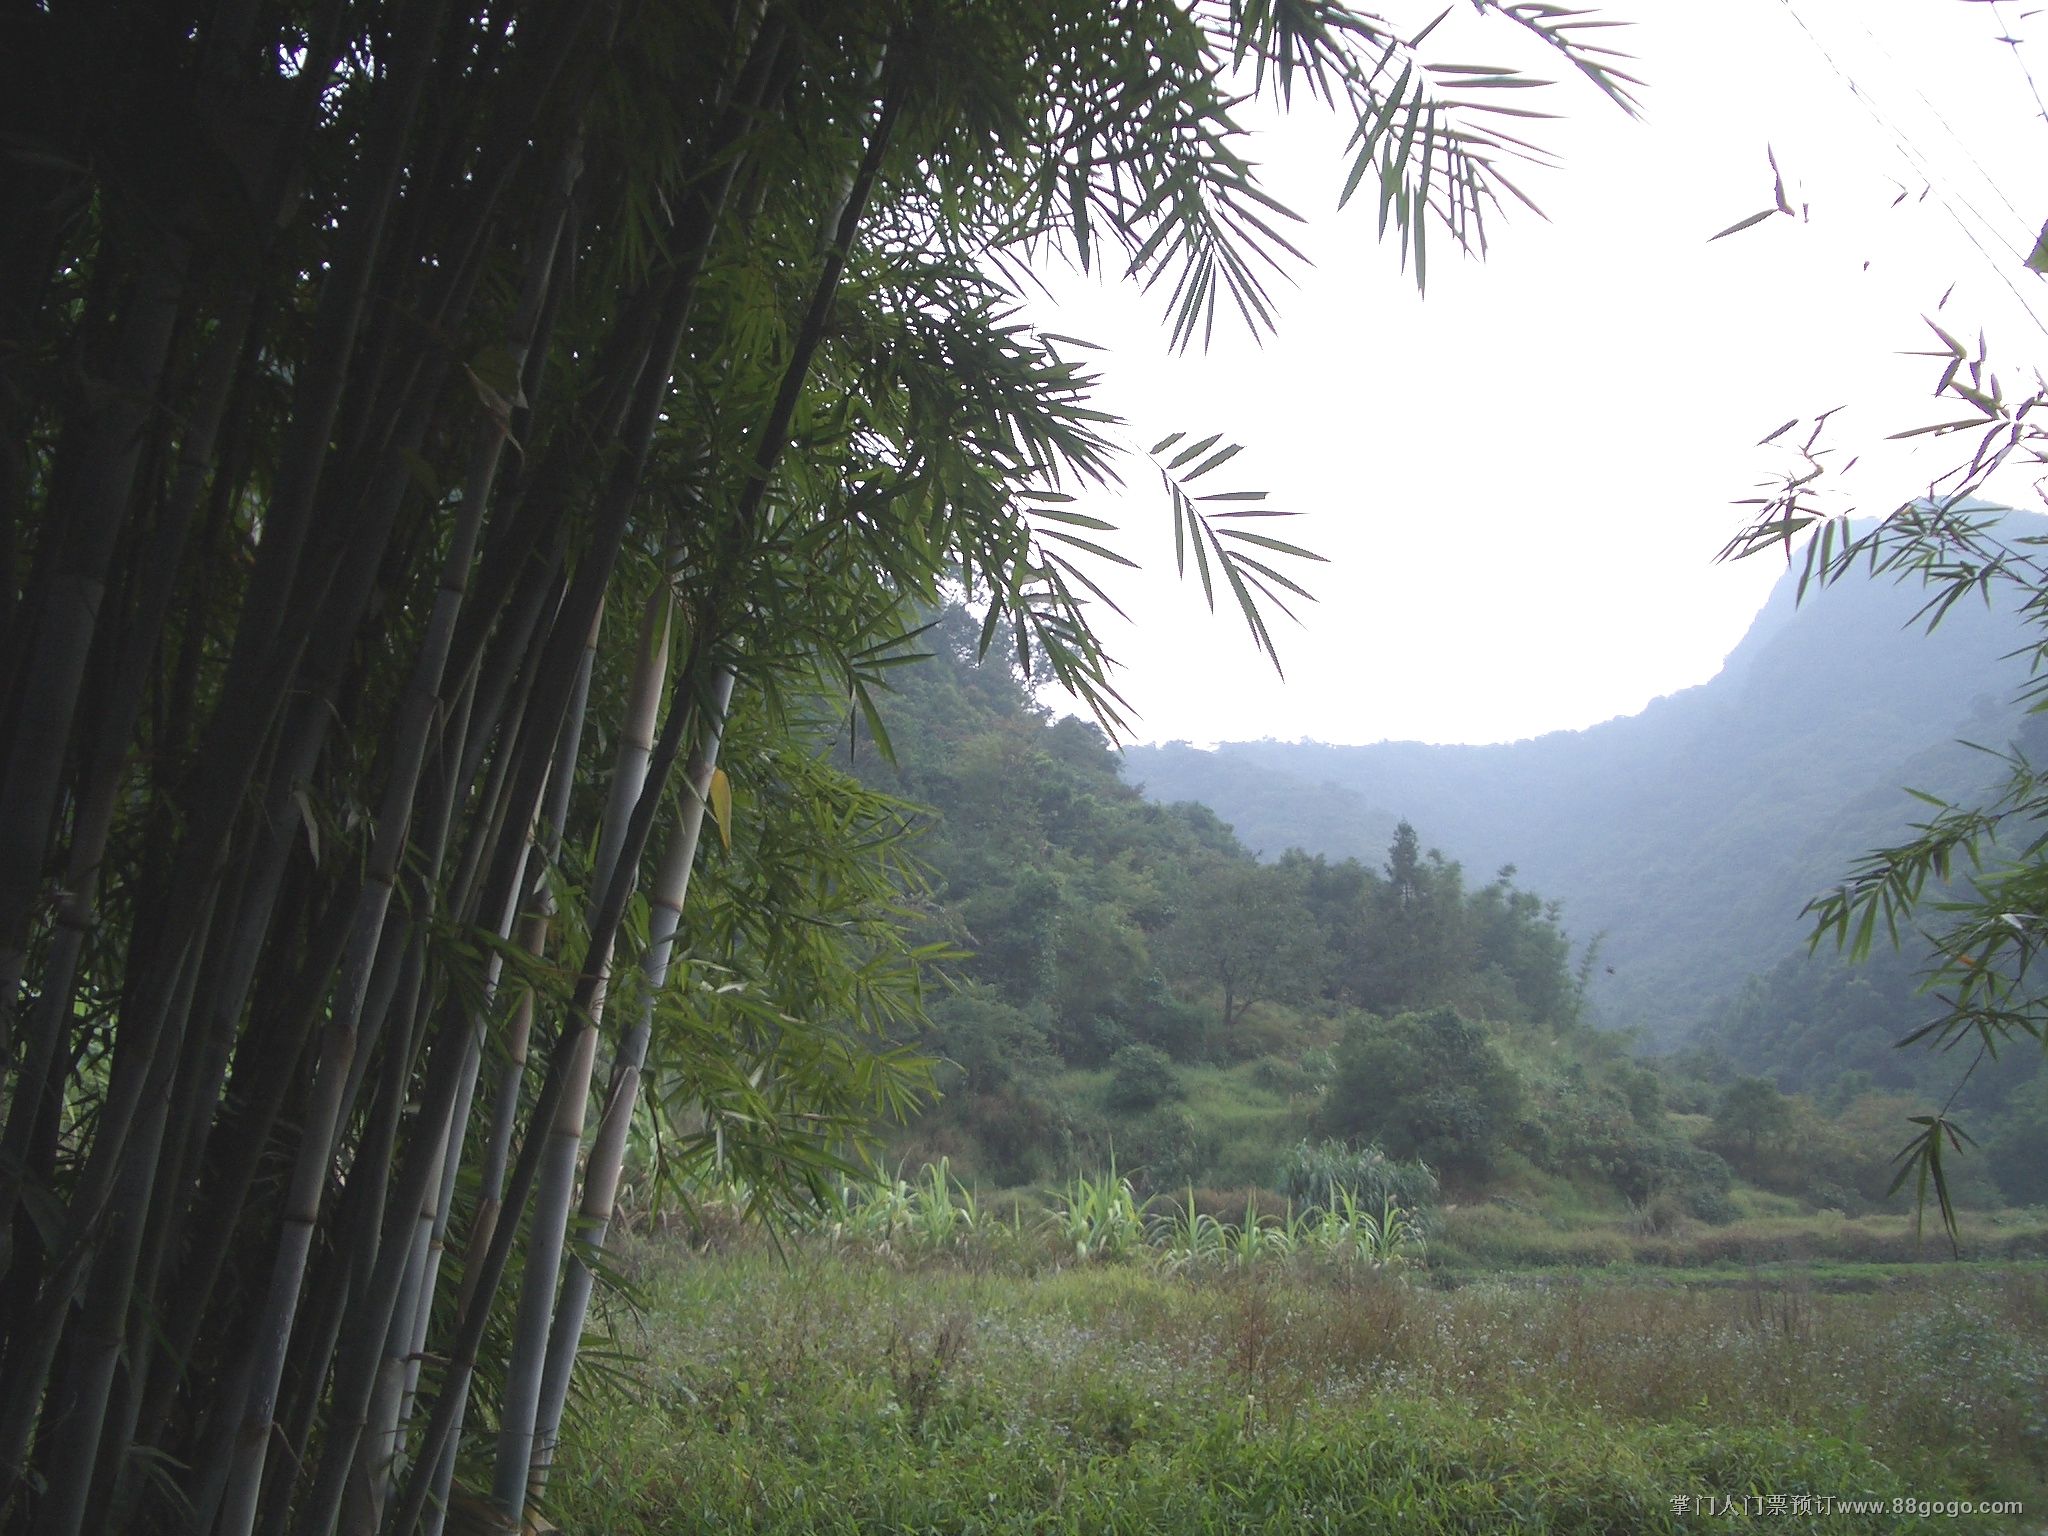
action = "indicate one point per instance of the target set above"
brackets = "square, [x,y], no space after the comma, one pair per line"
[608,1153]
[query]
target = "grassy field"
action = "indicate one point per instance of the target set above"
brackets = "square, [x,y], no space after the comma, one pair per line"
[1495,1236]
[998,1389]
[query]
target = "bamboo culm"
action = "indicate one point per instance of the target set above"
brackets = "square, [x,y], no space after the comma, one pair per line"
[548,1230]
[608,1153]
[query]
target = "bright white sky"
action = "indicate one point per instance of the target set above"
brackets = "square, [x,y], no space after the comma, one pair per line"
[1521,480]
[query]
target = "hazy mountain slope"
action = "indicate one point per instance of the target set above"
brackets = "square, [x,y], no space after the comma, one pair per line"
[1690,834]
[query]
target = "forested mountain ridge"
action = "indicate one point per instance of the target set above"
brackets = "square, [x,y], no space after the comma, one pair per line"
[1130,986]
[1687,836]
[1134,987]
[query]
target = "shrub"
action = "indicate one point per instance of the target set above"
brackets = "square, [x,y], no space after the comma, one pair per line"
[1166,1148]
[1431,1086]
[1280,1075]
[1142,1077]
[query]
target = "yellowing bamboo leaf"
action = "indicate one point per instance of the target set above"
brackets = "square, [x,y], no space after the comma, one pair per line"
[720,799]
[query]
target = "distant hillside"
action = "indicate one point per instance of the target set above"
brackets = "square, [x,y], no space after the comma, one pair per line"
[1689,835]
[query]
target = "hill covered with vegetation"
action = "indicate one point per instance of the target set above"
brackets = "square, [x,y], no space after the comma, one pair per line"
[1132,987]
[1687,837]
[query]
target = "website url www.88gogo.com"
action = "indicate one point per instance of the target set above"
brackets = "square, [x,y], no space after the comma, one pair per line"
[1763,1506]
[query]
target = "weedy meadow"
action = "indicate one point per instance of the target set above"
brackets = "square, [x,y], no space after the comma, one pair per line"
[919,1359]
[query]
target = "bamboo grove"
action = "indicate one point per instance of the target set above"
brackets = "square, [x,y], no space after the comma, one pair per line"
[449,453]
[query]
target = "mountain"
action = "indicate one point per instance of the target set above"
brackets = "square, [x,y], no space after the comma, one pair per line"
[1689,836]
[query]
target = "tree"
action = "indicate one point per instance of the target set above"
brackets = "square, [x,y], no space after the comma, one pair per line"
[1431,1086]
[446,453]
[1414,942]
[1246,932]
[1752,1115]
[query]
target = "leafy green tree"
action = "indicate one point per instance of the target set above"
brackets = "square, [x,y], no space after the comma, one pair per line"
[1431,1086]
[1414,945]
[1246,933]
[1098,965]
[983,1042]
[1753,1116]
[1515,934]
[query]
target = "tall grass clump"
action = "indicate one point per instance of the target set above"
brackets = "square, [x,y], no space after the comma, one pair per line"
[1350,1233]
[933,1213]
[1185,1238]
[1317,1174]
[1099,1218]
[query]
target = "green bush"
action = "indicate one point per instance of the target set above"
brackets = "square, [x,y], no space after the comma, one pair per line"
[1142,1077]
[1280,1075]
[1430,1086]
[1166,1149]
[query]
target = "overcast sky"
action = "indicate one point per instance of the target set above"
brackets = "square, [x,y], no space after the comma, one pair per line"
[1521,480]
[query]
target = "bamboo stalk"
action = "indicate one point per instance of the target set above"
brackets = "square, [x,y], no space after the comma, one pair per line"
[78,1413]
[336,1067]
[544,837]
[95,816]
[608,1152]
[548,1231]
[89,499]
[352,1282]
[386,1299]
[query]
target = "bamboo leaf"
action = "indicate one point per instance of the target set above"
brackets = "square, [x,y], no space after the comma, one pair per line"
[1741,224]
[719,803]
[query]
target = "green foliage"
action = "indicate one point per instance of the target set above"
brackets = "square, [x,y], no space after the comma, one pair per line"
[934,1214]
[1142,1077]
[1102,928]
[1430,1086]
[984,1043]
[1245,933]
[1098,1219]
[1350,1231]
[1319,1176]
[836,1393]
[1167,1146]
[1753,1117]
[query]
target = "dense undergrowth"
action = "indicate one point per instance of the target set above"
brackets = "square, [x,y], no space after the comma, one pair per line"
[824,1389]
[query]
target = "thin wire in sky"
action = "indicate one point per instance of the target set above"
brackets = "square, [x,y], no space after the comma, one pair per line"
[1944,193]
[2012,41]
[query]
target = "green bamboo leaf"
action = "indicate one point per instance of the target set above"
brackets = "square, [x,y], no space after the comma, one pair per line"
[1194,450]
[1278,546]
[1074,519]
[1741,224]
[1215,460]
[1100,551]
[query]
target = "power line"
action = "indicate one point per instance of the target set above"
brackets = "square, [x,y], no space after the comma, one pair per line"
[1946,195]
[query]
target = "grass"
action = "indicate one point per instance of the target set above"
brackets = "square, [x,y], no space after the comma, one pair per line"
[847,1392]
[1495,1235]
[1246,1126]
[1251,1124]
